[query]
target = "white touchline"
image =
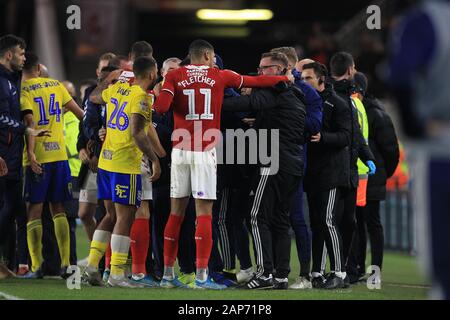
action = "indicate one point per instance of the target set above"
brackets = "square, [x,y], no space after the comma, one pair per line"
[9,297]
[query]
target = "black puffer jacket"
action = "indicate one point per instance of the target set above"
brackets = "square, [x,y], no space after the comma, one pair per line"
[328,159]
[280,107]
[384,145]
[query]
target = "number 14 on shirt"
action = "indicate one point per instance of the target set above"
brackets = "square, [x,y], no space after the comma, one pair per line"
[53,110]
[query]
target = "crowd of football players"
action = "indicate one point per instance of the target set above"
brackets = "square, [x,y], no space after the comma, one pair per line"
[133,161]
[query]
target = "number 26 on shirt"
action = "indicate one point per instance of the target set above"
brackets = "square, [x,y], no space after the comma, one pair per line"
[118,119]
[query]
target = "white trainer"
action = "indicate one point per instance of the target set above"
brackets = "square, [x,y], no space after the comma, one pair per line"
[301,283]
[245,275]
[123,283]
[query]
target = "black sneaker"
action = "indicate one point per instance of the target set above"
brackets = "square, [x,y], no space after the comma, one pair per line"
[258,283]
[334,282]
[280,284]
[318,282]
[230,275]
[64,273]
[352,278]
[347,281]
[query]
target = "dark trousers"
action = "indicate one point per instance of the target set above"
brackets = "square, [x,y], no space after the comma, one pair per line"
[222,234]
[186,246]
[159,215]
[368,221]
[270,223]
[301,231]
[22,254]
[13,206]
[239,211]
[438,186]
[347,220]
[229,231]
[324,217]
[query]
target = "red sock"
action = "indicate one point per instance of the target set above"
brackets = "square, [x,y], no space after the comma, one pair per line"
[108,257]
[171,235]
[203,240]
[140,242]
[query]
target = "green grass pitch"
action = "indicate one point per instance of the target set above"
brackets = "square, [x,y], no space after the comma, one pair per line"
[401,281]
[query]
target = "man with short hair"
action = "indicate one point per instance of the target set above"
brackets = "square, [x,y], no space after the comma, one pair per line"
[343,69]
[197,93]
[48,177]
[384,144]
[326,177]
[103,61]
[281,111]
[128,109]
[12,130]
[168,65]
[140,49]
[313,123]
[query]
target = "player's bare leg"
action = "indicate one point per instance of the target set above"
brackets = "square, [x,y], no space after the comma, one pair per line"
[120,245]
[86,213]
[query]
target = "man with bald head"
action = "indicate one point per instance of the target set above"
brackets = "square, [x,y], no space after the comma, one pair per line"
[299,65]
[44,71]
[70,87]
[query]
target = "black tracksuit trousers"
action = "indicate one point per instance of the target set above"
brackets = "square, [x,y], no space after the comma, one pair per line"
[271,200]
[323,212]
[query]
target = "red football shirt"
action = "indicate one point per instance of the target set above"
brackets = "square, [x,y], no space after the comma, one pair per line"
[196,93]
[127,75]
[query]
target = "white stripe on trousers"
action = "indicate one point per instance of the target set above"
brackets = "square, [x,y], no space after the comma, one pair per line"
[332,231]
[323,264]
[223,232]
[254,222]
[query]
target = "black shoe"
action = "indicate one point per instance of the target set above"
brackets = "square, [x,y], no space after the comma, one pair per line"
[229,275]
[352,278]
[347,281]
[64,273]
[334,282]
[318,282]
[280,284]
[258,283]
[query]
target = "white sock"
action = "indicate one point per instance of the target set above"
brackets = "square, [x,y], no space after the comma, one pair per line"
[169,273]
[101,236]
[120,244]
[316,274]
[341,275]
[201,274]
[266,278]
